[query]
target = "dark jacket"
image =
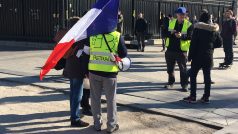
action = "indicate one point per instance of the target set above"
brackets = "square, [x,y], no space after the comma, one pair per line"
[164,25]
[204,40]
[174,44]
[120,23]
[77,67]
[141,25]
[122,53]
[228,29]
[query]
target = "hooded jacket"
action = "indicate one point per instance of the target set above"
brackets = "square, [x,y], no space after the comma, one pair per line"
[205,39]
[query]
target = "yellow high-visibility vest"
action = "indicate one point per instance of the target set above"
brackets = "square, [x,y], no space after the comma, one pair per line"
[100,55]
[184,44]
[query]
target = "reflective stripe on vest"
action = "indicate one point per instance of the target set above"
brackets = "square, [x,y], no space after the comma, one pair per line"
[184,45]
[100,56]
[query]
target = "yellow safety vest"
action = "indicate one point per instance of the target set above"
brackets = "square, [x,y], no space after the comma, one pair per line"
[100,56]
[184,44]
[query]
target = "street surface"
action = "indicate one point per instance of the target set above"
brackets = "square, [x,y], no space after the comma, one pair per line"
[27,110]
[141,87]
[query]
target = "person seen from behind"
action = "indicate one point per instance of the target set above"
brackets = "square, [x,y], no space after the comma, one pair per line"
[103,73]
[205,39]
[75,69]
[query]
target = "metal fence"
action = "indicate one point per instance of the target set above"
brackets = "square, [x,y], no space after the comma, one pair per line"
[39,20]
[36,20]
[152,10]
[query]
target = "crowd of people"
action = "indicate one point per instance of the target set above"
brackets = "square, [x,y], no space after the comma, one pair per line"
[91,68]
[194,41]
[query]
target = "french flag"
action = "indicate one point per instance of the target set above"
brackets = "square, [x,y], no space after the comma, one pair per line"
[102,18]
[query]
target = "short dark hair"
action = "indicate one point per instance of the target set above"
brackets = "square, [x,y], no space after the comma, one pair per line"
[204,11]
[230,11]
[205,17]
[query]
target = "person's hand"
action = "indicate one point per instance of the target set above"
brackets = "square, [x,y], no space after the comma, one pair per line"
[189,61]
[178,35]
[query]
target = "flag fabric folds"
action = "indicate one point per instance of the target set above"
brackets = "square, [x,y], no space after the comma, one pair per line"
[102,18]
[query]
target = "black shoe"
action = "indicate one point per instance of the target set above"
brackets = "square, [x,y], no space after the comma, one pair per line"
[225,65]
[143,50]
[185,88]
[86,111]
[79,123]
[204,100]
[169,86]
[190,99]
[116,128]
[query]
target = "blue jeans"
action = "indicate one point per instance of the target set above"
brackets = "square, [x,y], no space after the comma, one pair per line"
[76,93]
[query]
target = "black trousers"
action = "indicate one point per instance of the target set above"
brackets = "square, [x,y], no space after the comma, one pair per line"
[163,43]
[140,39]
[171,59]
[228,49]
[193,78]
[85,99]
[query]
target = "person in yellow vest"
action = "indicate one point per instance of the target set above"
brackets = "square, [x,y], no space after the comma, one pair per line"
[178,37]
[103,76]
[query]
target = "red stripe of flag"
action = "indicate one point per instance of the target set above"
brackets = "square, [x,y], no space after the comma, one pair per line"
[58,52]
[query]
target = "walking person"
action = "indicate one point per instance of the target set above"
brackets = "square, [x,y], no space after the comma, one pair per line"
[140,31]
[178,36]
[103,76]
[228,33]
[205,39]
[120,22]
[235,36]
[75,71]
[164,25]
[194,21]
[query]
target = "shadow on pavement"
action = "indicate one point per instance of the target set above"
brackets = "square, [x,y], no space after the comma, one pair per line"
[21,80]
[32,99]
[19,48]
[88,130]
[142,55]
[139,87]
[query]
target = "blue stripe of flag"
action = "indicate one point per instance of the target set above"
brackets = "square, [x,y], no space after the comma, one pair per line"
[106,22]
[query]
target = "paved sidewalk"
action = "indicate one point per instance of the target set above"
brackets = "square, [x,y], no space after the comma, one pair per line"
[232,129]
[142,86]
[26,109]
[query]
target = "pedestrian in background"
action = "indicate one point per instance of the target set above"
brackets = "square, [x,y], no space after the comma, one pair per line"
[228,32]
[164,25]
[194,21]
[75,70]
[235,36]
[178,36]
[205,39]
[103,76]
[120,22]
[140,31]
